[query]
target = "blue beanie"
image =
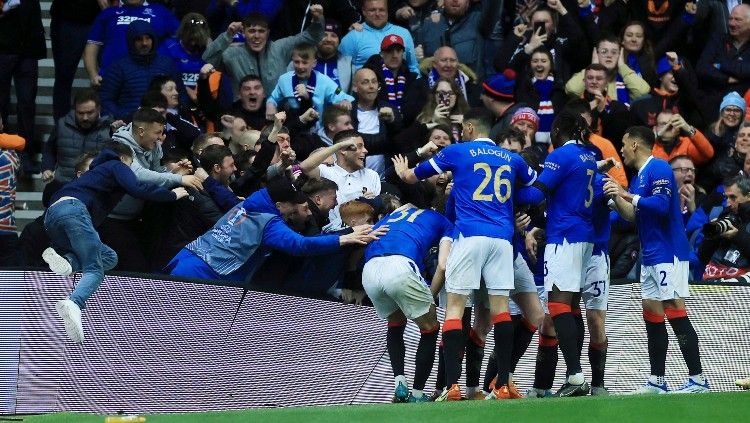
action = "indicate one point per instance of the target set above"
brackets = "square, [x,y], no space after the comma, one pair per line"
[663,66]
[501,86]
[733,99]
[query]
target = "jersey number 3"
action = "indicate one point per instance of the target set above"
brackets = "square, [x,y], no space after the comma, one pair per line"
[590,200]
[498,182]
[406,212]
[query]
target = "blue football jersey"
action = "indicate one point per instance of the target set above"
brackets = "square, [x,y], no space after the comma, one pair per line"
[658,215]
[189,64]
[411,233]
[484,177]
[569,174]
[112,23]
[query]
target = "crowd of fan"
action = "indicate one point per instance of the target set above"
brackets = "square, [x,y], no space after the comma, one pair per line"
[252,89]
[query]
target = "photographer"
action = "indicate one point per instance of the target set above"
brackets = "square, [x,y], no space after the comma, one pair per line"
[726,247]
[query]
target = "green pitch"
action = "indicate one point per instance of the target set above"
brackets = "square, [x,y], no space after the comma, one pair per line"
[714,407]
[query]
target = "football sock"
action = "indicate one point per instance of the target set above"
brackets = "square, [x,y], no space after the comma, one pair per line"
[503,328]
[416,393]
[425,357]
[474,356]
[491,372]
[396,348]
[580,329]
[598,360]
[401,379]
[658,342]
[453,346]
[546,362]
[522,334]
[567,335]
[687,339]
[440,377]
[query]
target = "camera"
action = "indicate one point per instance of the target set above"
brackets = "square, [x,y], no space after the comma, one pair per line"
[712,230]
[444,98]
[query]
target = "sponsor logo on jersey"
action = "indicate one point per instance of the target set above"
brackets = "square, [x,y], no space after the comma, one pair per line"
[126,20]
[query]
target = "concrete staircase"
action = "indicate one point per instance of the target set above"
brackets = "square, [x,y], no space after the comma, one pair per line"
[29,195]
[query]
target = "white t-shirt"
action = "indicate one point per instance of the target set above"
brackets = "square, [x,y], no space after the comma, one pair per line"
[351,186]
[369,123]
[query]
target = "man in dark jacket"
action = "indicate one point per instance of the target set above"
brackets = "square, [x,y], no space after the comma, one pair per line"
[76,210]
[128,79]
[392,71]
[21,46]
[81,131]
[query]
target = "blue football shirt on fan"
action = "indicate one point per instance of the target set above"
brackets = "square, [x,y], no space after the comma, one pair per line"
[484,176]
[111,24]
[658,214]
[568,174]
[411,233]
[189,64]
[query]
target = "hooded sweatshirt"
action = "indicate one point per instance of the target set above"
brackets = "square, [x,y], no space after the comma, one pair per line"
[128,78]
[146,166]
[106,182]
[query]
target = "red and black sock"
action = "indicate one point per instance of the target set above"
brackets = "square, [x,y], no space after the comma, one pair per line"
[686,338]
[425,357]
[567,335]
[656,331]
[598,360]
[523,331]
[546,362]
[503,328]
[474,357]
[453,346]
[396,348]
[580,328]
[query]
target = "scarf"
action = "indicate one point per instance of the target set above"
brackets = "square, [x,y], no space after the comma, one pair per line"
[434,76]
[632,62]
[310,86]
[329,68]
[623,96]
[543,88]
[395,87]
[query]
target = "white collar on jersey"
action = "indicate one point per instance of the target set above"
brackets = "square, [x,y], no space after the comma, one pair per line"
[483,139]
[572,142]
[645,163]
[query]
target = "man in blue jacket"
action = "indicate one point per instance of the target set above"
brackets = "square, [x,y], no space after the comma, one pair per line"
[76,210]
[239,242]
[128,79]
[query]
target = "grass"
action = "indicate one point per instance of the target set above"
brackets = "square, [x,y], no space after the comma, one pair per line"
[719,407]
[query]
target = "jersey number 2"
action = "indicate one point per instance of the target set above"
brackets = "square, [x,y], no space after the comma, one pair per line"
[498,182]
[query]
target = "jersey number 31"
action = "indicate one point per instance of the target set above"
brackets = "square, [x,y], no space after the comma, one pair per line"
[499,181]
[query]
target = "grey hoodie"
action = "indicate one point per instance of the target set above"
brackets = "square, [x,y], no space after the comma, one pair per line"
[147,168]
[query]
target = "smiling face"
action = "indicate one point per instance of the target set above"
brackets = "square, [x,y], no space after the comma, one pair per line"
[739,22]
[329,45]
[595,81]
[632,38]
[446,62]
[148,134]
[252,95]
[731,116]
[352,160]
[303,67]
[540,65]
[256,37]
[742,142]
[223,172]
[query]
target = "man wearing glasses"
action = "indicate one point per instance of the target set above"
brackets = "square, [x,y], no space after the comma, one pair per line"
[684,175]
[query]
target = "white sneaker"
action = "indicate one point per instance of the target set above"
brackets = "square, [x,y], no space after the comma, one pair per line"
[71,315]
[693,387]
[743,383]
[56,262]
[650,388]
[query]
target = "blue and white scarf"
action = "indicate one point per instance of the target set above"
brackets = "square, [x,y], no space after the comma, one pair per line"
[434,76]
[395,87]
[310,85]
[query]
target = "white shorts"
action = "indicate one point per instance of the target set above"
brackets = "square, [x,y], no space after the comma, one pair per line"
[479,257]
[565,265]
[394,283]
[665,281]
[478,298]
[516,311]
[596,292]
[523,278]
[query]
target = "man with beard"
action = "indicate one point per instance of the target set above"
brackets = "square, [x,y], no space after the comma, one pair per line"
[237,245]
[329,62]
[82,130]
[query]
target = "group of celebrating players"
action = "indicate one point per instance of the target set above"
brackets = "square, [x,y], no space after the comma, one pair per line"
[483,258]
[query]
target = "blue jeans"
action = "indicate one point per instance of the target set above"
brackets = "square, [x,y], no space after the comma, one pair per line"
[73,236]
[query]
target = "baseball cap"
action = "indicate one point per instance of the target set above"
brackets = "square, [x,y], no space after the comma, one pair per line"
[391,41]
[281,190]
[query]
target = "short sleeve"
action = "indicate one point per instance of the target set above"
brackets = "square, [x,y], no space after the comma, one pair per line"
[96,34]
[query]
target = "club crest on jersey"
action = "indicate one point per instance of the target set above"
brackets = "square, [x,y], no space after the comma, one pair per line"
[149,12]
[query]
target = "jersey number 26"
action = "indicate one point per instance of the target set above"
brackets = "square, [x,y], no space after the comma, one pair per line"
[499,181]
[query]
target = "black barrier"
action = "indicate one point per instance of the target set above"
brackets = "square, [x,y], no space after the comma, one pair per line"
[157,345]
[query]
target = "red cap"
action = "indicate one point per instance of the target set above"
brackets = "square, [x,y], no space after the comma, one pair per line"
[390,41]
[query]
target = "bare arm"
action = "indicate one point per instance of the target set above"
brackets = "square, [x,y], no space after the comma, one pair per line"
[90,57]
[439,278]
[621,200]
[401,166]
[310,165]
